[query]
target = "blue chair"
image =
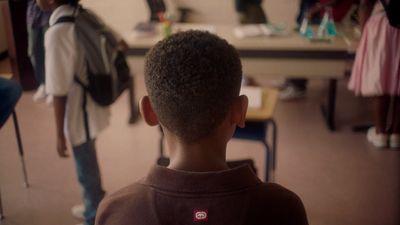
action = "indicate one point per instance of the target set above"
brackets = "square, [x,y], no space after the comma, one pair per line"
[257,123]
[10,92]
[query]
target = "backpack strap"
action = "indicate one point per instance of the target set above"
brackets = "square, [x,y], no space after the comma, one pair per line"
[65,19]
[85,115]
[84,108]
[71,19]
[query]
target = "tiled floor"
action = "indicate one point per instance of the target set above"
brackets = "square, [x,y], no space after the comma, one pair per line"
[340,177]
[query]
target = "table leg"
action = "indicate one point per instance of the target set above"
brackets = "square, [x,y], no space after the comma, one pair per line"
[267,160]
[134,112]
[1,208]
[328,110]
[274,141]
[162,159]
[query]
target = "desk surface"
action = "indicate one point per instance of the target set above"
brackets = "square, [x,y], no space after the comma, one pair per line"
[272,47]
[306,59]
[269,100]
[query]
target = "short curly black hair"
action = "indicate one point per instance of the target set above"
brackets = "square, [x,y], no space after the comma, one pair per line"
[192,78]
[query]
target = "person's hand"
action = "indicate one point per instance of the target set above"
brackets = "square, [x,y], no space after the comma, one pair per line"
[62,147]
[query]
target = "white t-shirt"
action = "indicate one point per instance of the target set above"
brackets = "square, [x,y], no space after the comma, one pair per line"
[64,59]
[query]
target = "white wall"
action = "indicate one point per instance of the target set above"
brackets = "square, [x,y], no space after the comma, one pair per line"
[123,14]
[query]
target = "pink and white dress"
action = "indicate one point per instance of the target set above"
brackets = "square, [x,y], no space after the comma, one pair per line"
[376,69]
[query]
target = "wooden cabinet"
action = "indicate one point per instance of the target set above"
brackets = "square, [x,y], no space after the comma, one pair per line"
[14,17]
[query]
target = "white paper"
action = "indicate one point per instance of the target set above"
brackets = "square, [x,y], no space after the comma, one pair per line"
[254,94]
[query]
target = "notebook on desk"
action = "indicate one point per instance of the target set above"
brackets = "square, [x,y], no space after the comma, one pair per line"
[194,26]
[145,29]
[254,94]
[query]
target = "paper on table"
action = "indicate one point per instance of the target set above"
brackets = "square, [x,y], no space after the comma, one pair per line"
[144,29]
[256,30]
[193,26]
[254,94]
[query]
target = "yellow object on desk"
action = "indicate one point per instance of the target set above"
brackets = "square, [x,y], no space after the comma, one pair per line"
[7,76]
[5,69]
[269,100]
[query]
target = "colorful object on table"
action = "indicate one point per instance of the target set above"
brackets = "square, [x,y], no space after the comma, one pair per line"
[327,28]
[166,24]
[305,29]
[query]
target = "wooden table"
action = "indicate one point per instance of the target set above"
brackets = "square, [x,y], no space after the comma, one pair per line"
[284,56]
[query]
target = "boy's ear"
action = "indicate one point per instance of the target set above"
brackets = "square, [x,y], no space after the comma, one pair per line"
[239,110]
[147,111]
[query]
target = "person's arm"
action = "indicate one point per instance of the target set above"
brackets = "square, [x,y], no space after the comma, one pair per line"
[59,112]
[60,63]
[365,11]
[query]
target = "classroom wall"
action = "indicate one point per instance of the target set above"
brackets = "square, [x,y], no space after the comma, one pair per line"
[207,11]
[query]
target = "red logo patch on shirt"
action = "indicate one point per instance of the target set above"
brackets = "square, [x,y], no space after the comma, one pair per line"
[200,215]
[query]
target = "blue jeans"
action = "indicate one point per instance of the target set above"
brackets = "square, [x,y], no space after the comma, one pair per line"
[88,172]
[10,92]
[36,51]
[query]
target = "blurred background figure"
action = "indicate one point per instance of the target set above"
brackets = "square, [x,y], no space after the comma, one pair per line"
[376,71]
[250,11]
[37,24]
[313,10]
[156,7]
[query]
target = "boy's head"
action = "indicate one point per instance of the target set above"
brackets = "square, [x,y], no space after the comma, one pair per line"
[49,5]
[192,79]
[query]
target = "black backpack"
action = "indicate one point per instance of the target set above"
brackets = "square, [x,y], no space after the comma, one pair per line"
[108,73]
[392,12]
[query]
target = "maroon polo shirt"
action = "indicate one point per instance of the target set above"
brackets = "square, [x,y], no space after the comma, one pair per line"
[171,197]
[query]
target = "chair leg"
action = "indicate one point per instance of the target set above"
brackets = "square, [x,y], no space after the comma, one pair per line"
[162,159]
[1,208]
[267,160]
[274,141]
[270,159]
[134,112]
[20,149]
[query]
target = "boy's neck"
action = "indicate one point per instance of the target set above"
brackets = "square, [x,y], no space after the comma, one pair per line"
[208,154]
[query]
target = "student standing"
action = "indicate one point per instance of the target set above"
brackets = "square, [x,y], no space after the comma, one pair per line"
[193,80]
[250,11]
[37,23]
[312,10]
[376,74]
[64,60]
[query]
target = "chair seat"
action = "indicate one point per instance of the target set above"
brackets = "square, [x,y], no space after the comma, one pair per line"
[252,131]
[257,122]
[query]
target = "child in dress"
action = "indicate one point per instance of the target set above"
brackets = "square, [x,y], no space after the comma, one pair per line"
[376,74]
